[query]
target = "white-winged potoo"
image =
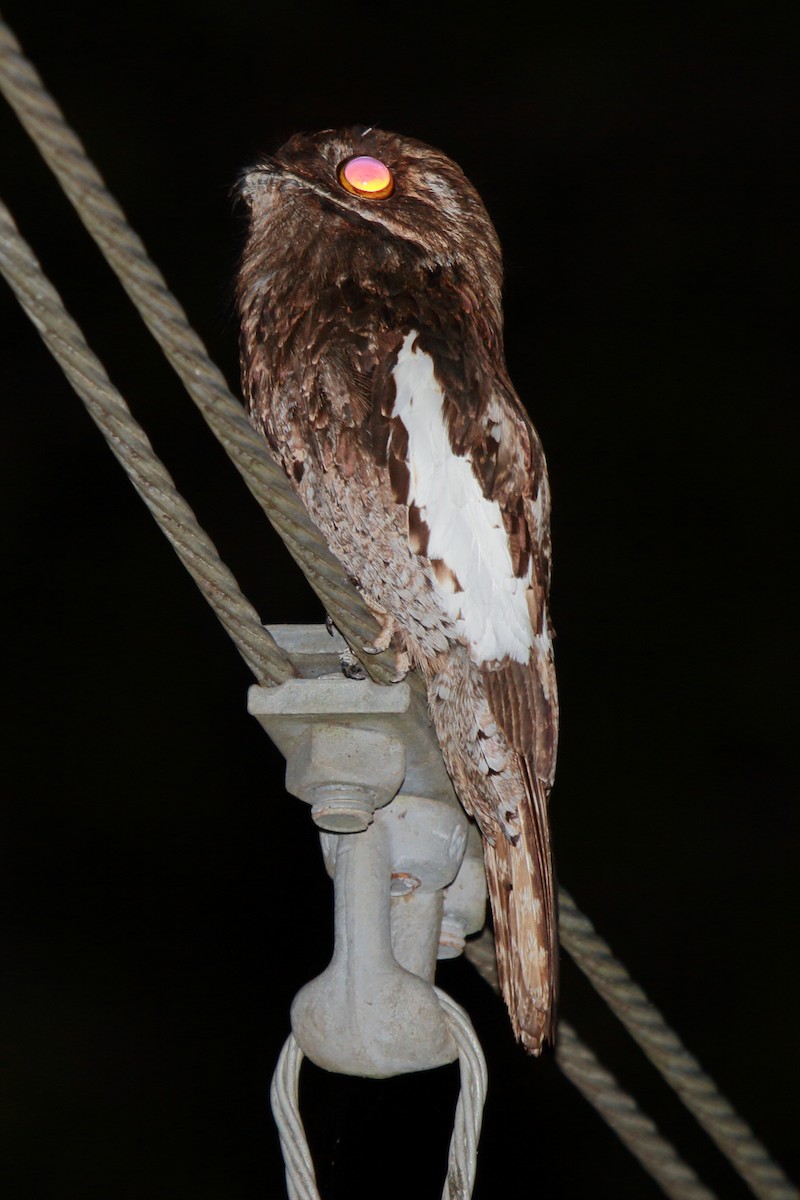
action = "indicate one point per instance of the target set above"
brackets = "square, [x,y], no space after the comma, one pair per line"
[372,360]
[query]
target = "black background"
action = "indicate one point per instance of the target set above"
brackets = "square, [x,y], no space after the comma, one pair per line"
[168,899]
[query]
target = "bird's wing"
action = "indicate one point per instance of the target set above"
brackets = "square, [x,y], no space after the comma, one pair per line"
[468,464]
[466,461]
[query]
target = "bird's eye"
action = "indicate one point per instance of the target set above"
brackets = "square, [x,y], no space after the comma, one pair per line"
[365,176]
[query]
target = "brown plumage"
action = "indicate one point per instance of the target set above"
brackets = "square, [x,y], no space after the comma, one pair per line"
[372,359]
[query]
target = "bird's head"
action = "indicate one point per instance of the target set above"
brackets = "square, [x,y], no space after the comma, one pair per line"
[362,203]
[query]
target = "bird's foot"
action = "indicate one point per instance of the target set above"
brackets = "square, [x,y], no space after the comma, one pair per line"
[351,667]
[402,665]
[384,639]
[390,637]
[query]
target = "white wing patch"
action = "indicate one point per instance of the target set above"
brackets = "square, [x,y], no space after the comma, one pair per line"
[466,530]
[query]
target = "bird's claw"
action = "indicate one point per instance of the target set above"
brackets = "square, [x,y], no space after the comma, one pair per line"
[384,639]
[402,665]
[389,628]
[351,667]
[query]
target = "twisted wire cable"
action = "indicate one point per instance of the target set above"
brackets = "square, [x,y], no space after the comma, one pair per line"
[663,1047]
[619,1110]
[463,1158]
[597,1085]
[166,320]
[301,1181]
[130,445]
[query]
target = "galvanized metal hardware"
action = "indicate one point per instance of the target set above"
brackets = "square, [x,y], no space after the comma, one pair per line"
[407,867]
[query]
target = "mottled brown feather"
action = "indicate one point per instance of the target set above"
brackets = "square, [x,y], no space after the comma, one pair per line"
[523,899]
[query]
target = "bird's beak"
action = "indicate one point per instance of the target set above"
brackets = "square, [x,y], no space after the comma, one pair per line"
[256,178]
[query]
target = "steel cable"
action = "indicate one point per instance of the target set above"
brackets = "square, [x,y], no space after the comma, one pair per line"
[597,1085]
[130,445]
[463,1159]
[166,320]
[301,1181]
[668,1054]
[619,1110]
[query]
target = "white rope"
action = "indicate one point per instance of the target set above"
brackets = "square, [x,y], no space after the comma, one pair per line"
[463,1160]
[301,1183]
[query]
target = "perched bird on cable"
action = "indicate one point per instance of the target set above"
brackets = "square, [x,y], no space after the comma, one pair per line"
[372,359]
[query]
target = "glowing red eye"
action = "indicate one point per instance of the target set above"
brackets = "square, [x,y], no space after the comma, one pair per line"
[365,176]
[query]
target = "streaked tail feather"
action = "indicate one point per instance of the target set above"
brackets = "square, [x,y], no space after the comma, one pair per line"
[523,898]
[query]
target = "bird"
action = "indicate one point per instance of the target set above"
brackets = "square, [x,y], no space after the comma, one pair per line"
[369,294]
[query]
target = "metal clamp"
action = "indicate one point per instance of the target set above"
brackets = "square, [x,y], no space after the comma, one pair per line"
[408,875]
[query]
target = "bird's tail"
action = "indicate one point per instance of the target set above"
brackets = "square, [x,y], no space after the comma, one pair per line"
[523,897]
[499,786]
